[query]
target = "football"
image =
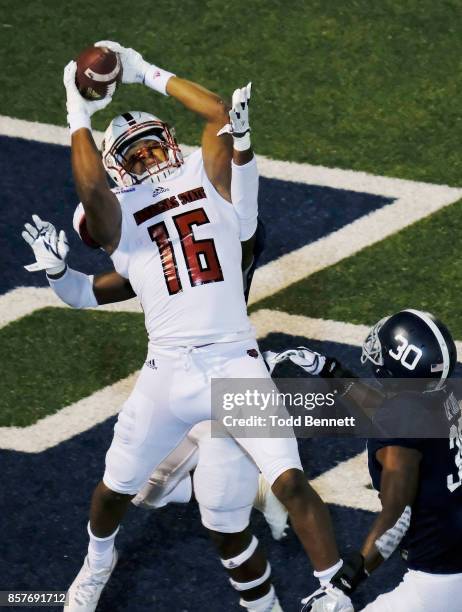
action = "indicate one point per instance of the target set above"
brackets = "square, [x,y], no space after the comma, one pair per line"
[99,71]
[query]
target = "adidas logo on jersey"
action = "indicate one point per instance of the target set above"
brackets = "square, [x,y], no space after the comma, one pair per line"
[151,364]
[158,190]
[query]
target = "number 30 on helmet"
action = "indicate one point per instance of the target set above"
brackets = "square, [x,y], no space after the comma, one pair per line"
[411,345]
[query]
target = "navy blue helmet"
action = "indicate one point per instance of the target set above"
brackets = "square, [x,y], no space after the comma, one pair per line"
[411,345]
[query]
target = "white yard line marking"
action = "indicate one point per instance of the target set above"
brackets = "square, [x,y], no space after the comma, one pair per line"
[274,321]
[97,407]
[33,130]
[346,484]
[412,201]
[69,421]
[324,330]
[94,409]
[23,301]
[47,133]
[419,202]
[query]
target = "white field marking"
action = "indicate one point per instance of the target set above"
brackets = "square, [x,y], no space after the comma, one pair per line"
[99,406]
[69,421]
[275,321]
[23,301]
[346,484]
[90,411]
[48,133]
[73,419]
[37,437]
[412,201]
[324,330]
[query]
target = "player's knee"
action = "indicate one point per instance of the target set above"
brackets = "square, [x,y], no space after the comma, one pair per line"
[230,544]
[290,487]
[108,497]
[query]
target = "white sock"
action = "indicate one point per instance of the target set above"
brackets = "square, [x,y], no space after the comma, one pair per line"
[100,550]
[325,576]
[181,494]
[263,604]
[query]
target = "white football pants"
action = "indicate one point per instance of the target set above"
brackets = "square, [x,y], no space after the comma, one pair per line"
[171,395]
[225,479]
[422,592]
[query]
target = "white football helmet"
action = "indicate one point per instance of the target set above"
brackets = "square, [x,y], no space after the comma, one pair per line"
[123,132]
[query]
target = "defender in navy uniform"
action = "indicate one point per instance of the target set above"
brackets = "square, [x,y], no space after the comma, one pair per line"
[419,480]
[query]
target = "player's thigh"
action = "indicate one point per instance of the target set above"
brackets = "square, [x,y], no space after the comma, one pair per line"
[273,456]
[275,448]
[225,484]
[145,433]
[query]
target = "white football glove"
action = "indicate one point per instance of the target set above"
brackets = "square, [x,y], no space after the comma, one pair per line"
[133,65]
[79,110]
[272,359]
[327,599]
[239,126]
[308,360]
[50,249]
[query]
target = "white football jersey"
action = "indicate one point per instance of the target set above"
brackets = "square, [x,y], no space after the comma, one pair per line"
[180,250]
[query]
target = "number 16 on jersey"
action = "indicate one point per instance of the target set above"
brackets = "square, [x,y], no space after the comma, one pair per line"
[200,255]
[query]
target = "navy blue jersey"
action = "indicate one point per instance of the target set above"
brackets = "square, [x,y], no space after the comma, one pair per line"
[433,542]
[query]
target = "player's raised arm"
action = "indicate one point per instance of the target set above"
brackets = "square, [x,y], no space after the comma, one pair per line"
[217,152]
[102,208]
[244,175]
[71,286]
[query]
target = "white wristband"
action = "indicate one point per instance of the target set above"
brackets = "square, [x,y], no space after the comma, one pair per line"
[75,289]
[57,269]
[156,78]
[78,120]
[326,575]
[242,143]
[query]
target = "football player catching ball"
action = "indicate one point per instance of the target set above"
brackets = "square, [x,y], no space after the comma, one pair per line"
[175,230]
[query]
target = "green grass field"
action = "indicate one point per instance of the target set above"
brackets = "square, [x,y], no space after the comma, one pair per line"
[65,355]
[361,85]
[416,268]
